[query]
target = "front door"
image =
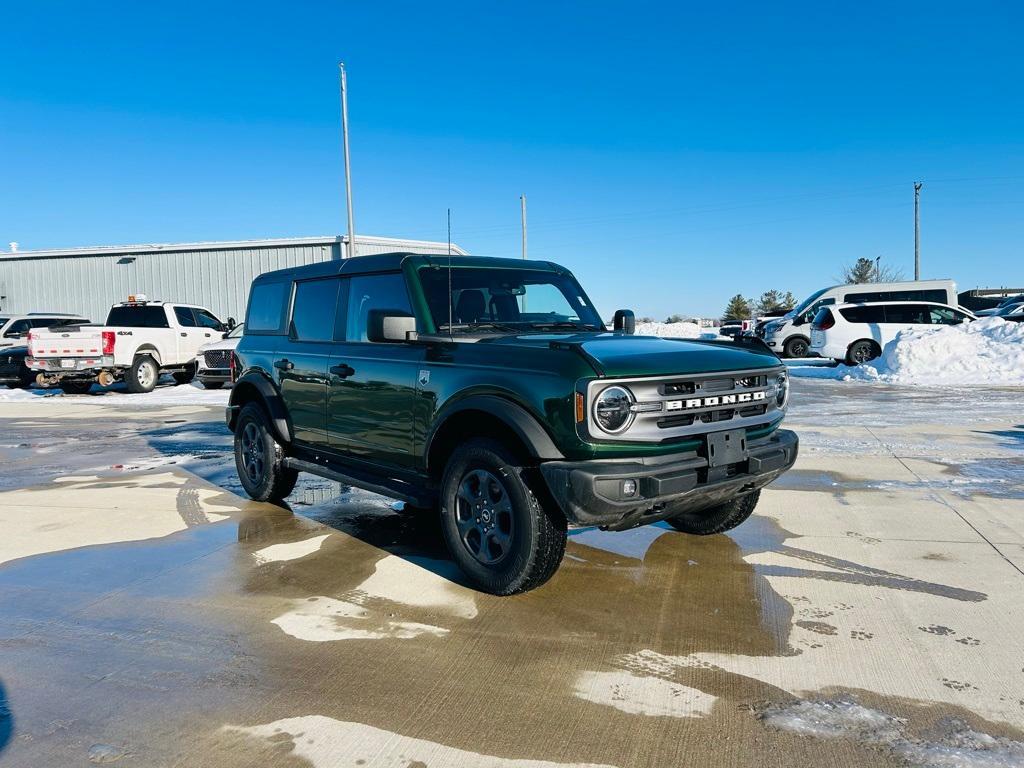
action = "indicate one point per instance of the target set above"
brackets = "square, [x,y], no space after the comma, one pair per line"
[373,385]
[188,338]
[302,360]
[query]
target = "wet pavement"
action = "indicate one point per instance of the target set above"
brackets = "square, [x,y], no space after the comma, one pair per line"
[868,614]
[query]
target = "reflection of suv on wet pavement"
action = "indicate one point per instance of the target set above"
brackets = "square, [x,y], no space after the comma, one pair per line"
[492,391]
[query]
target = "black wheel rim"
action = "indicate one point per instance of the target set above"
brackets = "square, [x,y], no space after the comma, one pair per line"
[252,453]
[799,349]
[861,354]
[483,516]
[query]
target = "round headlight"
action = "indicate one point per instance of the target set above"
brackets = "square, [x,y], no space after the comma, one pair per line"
[613,409]
[782,390]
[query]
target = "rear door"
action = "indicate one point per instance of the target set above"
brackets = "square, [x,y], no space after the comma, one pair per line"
[373,386]
[303,358]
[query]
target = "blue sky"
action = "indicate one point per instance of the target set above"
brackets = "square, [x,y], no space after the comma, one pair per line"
[673,154]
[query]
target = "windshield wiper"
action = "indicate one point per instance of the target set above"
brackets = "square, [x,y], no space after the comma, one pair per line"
[575,324]
[456,327]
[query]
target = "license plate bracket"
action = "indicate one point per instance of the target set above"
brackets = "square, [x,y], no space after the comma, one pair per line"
[728,447]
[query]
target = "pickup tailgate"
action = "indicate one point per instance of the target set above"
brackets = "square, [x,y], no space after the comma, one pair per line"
[67,342]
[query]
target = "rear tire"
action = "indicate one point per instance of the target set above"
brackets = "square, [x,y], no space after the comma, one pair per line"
[142,376]
[718,519]
[259,458]
[796,347]
[211,384]
[184,377]
[76,387]
[861,352]
[496,528]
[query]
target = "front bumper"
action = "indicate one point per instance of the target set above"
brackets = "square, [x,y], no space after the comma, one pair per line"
[591,492]
[214,374]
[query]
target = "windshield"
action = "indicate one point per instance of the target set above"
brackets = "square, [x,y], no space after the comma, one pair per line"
[3,321]
[235,332]
[506,300]
[1009,309]
[804,305]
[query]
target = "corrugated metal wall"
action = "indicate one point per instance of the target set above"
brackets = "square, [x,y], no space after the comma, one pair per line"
[216,279]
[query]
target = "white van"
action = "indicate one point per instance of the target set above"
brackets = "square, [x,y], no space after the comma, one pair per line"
[790,335]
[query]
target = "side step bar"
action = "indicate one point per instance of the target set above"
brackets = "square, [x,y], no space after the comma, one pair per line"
[390,487]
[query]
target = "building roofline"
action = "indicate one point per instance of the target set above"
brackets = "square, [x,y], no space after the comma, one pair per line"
[224,245]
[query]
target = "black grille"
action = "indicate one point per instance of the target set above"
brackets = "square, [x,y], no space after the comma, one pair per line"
[218,358]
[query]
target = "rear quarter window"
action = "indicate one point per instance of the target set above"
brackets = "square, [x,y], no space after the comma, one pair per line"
[268,304]
[863,314]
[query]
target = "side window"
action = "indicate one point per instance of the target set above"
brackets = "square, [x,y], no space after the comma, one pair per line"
[945,316]
[864,314]
[374,292]
[314,308]
[18,328]
[185,317]
[907,314]
[267,307]
[205,320]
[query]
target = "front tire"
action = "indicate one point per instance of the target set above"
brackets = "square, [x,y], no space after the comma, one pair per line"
[796,347]
[496,528]
[718,519]
[259,458]
[142,376]
[861,352]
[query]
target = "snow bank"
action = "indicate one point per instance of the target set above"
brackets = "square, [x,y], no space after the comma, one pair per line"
[986,352]
[676,330]
[165,394]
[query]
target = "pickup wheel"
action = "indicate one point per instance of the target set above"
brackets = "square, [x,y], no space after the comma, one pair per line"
[76,387]
[496,528]
[142,375]
[718,519]
[184,377]
[259,458]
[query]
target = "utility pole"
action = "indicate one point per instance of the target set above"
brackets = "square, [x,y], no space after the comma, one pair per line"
[522,204]
[917,230]
[351,250]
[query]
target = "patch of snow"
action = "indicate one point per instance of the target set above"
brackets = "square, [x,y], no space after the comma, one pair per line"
[325,743]
[960,747]
[652,696]
[405,582]
[676,331]
[184,394]
[280,553]
[983,353]
[323,619]
[632,543]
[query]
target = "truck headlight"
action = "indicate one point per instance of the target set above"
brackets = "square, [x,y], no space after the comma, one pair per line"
[613,409]
[782,390]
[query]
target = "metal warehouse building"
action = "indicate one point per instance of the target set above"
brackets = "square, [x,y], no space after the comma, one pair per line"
[214,275]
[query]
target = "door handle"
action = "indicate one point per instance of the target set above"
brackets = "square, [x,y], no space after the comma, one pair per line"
[284,365]
[342,371]
[206,335]
[184,335]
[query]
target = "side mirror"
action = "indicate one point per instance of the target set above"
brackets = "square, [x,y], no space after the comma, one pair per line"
[798,320]
[390,325]
[231,324]
[625,321]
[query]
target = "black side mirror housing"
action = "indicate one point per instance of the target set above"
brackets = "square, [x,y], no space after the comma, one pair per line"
[625,321]
[390,326]
[231,323]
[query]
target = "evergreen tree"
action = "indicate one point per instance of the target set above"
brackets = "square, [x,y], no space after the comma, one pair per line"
[738,308]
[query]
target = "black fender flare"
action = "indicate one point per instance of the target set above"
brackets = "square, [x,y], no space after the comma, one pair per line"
[270,398]
[526,427]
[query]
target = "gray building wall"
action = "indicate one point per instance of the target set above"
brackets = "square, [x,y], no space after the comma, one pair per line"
[214,275]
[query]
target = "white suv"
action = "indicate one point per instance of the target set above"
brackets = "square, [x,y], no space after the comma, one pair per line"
[856,333]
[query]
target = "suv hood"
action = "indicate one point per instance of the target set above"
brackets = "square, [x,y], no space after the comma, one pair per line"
[617,355]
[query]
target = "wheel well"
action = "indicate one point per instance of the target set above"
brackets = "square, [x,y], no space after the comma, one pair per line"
[466,425]
[872,342]
[794,337]
[150,351]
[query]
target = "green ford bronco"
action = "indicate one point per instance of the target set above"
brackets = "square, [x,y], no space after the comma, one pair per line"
[490,391]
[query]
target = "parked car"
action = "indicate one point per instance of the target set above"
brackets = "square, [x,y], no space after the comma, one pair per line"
[13,371]
[731,328]
[789,335]
[490,392]
[141,340]
[856,333]
[213,363]
[1013,313]
[1009,301]
[14,328]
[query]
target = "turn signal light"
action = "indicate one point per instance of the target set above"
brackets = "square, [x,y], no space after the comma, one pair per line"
[581,412]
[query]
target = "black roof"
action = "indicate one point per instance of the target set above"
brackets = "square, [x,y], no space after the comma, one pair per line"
[392,262]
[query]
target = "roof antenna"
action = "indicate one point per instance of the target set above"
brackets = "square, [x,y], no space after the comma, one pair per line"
[450,311]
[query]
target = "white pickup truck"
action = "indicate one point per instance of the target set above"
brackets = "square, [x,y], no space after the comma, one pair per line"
[140,340]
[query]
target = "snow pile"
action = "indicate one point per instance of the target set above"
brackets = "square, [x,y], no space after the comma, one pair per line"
[165,394]
[986,352]
[676,330]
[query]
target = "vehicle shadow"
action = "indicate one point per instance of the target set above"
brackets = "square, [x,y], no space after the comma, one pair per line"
[6,720]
